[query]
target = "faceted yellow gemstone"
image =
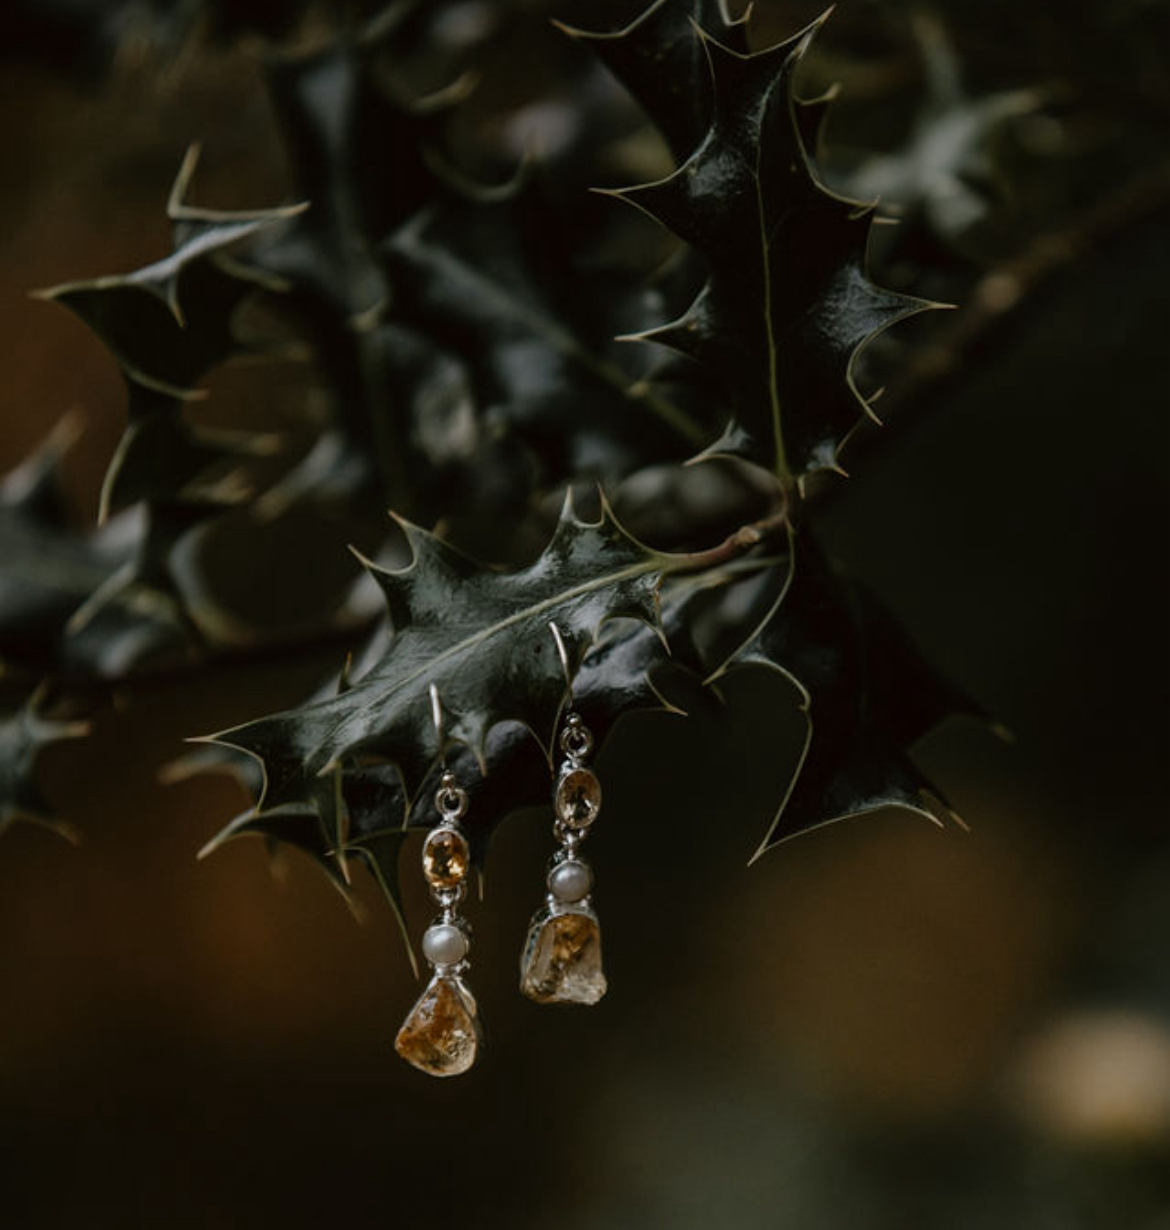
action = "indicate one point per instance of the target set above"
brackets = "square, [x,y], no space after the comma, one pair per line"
[578,798]
[562,959]
[446,858]
[441,1036]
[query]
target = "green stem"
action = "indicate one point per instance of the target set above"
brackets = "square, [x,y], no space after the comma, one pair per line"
[783,471]
[745,539]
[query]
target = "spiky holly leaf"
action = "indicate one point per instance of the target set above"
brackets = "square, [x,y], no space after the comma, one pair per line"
[362,152]
[481,638]
[167,325]
[318,823]
[170,322]
[49,568]
[100,602]
[869,696]
[788,304]
[162,453]
[490,280]
[660,61]
[295,826]
[334,810]
[617,676]
[368,821]
[139,618]
[24,731]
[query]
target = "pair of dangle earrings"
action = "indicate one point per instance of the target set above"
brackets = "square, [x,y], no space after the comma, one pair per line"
[561,961]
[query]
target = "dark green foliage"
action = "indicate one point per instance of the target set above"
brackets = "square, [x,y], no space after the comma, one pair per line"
[49,570]
[787,305]
[482,639]
[660,61]
[867,695]
[463,341]
[23,733]
[168,325]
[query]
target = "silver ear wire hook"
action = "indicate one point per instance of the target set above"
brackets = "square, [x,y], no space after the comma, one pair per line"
[437,719]
[576,741]
[450,798]
[563,654]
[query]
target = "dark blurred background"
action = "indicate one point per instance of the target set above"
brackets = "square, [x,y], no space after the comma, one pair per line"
[879,1025]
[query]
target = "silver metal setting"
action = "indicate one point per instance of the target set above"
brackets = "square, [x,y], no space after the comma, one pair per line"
[576,742]
[441,1035]
[451,804]
[561,961]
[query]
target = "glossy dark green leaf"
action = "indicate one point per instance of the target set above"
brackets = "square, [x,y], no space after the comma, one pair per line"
[660,61]
[318,823]
[363,153]
[24,731]
[360,151]
[161,452]
[492,282]
[50,569]
[368,825]
[167,325]
[139,619]
[788,304]
[479,637]
[868,694]
[89,603]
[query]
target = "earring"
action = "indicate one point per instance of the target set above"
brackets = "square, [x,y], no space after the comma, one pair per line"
[562,956]
[442,1034]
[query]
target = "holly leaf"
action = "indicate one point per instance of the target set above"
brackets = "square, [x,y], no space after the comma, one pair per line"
[363,153]
[485,279]
[788,304]
[161,452]
[868,695]
[482,639]
[49,567]
[99,603]
[167,325]
[170,322]
[318,824]
[660,61]
[24,732]
[617,676]
[141,616]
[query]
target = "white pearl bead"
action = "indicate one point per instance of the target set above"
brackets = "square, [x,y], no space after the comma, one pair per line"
[570,881]
[444,944]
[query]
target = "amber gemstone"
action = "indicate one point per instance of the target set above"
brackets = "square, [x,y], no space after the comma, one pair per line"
[578,798]
[562,959]
[445,858]
[441,1036]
